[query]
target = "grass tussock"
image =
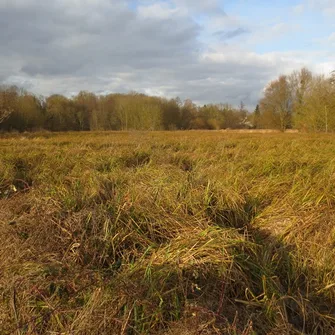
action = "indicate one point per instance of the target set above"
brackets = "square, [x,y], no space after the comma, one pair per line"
[166,233]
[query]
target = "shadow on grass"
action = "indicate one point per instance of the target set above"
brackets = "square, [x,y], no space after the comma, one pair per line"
[284,288]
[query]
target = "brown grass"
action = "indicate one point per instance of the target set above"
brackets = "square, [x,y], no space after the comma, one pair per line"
[166,233]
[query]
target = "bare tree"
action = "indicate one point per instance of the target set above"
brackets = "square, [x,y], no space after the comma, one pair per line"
[6,103]
[332,77]
[301,83]
[276,105]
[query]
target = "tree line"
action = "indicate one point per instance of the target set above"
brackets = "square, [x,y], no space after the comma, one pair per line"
[300,100]
[24,111]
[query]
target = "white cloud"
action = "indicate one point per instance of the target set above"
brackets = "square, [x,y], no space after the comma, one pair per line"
[160,11]
[325,68]
[200,6]
[326,6]
[273,32]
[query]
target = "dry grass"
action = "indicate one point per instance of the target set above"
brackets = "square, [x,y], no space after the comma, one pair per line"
[167,233]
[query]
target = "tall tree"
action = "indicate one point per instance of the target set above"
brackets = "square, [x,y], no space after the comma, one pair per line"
[188,113]
[300,83]
[277,104]
[88,115]
[319,104]
[256,117]
[60,114]
[8,96]
[171,114]
[332,77]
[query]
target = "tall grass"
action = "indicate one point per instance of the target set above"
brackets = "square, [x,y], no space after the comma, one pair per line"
[167,233]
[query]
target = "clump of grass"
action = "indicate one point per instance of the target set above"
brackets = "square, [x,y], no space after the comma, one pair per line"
[184,162]
[137,159]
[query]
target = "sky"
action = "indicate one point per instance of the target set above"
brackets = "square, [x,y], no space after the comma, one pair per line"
[209,51]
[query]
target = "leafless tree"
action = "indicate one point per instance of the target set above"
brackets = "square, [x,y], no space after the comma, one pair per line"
[6,102]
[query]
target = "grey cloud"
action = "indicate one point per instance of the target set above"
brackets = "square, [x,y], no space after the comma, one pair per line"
[225,35]
[208,6]
[62,43]
[64,46]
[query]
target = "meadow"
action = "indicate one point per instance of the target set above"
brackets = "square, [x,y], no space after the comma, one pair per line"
[195,232]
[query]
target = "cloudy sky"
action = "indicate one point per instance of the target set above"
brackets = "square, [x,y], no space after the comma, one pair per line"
[205,50]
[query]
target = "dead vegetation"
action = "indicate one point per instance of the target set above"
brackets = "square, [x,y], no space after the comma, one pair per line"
[166,233]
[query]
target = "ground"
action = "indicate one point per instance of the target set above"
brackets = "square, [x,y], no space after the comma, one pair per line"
[200,232]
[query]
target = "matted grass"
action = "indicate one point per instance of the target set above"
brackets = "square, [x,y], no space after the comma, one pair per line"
[167,233]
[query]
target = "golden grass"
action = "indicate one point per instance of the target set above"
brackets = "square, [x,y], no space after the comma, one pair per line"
[167,233]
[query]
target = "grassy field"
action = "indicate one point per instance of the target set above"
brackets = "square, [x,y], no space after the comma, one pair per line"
[167,233]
